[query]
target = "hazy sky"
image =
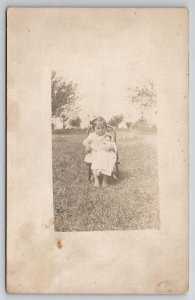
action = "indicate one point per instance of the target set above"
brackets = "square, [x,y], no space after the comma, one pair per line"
[105,54]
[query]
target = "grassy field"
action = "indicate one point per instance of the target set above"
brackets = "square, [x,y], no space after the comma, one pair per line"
[130,203]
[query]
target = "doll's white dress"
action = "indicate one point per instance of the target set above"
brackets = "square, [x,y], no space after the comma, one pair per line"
[102,162]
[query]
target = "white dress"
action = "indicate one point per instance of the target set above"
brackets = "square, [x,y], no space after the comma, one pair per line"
[102,162]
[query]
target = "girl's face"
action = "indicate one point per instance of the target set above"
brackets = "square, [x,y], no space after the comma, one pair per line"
[100,128]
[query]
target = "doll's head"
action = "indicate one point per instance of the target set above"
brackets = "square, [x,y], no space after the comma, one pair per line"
[108,137]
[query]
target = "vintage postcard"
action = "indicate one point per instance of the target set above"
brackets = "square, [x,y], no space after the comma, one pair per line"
[97,150]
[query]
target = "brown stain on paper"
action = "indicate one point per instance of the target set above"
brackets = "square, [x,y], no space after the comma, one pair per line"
[42,263]
[164,286]
[49,223]
[59,244]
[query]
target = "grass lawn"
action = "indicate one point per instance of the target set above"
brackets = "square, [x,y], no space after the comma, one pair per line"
[130,203]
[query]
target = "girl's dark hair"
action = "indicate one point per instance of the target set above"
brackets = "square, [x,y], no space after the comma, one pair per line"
[99,119]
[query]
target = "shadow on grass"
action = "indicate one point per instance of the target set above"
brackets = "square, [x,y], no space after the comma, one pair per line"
[123,176]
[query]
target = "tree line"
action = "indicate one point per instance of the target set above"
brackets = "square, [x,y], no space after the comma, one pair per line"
[65,99]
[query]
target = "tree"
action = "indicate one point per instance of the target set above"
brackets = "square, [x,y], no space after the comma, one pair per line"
[128,124]
[75,123]
[116,120]
[144,96]
[64,97]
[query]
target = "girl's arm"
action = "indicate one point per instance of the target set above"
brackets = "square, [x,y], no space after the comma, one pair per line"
[114,147]
[108,147]
[111,147]
[94,147]
[87,141]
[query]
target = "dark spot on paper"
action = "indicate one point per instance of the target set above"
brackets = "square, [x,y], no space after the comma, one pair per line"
[28,30]
[135,13]
[59,244]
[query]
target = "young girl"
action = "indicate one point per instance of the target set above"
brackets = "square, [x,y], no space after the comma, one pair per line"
[101,151]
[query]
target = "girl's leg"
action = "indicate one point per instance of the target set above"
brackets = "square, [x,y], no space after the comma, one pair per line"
[96,180]
[105,180]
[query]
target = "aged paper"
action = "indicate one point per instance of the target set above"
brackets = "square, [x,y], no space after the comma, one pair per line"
[109,52]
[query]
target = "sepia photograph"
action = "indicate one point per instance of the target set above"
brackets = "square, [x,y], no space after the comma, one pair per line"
[105,168]
[104,127]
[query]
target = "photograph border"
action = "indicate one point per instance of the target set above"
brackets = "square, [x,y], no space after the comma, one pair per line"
[40,3]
